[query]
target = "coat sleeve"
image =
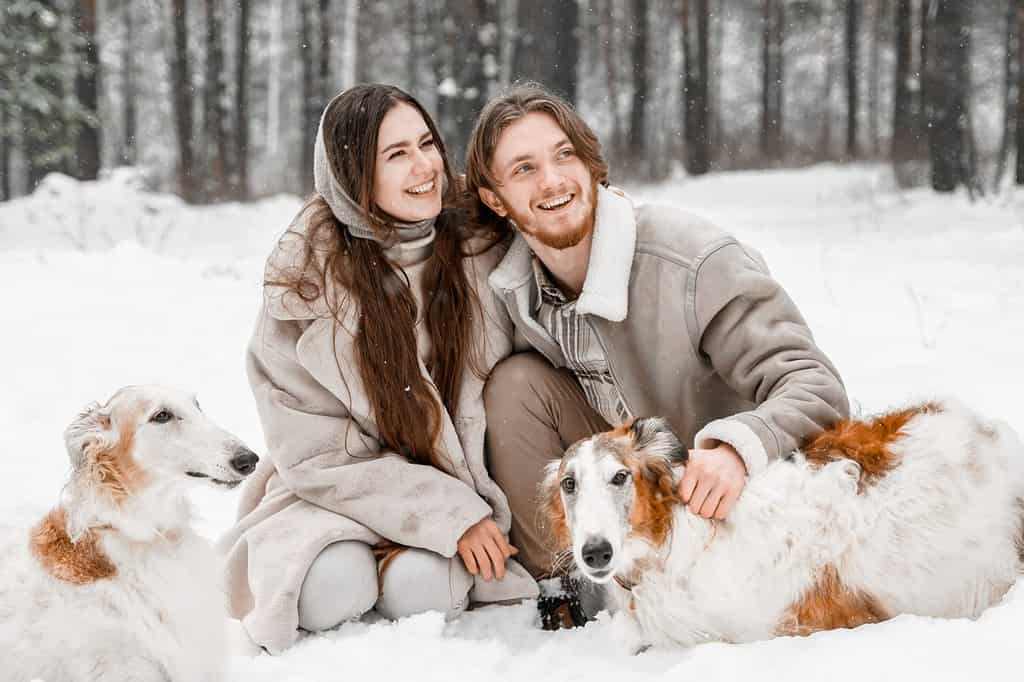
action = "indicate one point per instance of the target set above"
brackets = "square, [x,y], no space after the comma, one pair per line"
[751,332]
[323,455]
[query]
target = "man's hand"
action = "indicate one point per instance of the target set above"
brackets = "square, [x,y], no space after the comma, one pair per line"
[484,549]
[713,481]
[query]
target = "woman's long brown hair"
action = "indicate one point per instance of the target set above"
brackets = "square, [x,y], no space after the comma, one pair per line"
[408,416]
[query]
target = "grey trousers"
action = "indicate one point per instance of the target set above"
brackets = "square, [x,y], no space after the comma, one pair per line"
[343,583]
[534,412]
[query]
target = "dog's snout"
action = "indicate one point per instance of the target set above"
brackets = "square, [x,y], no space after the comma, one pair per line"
[244,461]
[597,553]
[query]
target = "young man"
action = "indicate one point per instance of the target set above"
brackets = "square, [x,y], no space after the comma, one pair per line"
[635,312]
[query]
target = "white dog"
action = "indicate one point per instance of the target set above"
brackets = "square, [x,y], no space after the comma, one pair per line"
[919,511]
[114,584]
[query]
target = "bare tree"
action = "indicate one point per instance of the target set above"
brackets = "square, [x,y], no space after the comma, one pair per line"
[852,35]
[608,40]
[87,78]
[547,45]
[182,102]
[128,94]
[638,113]
[241,165]
[948,80]
[214,111]
[904,119]
[880,12]
[309,93]
[5,154]
[773,36]
[1020,92]
[695,87]
[324,72]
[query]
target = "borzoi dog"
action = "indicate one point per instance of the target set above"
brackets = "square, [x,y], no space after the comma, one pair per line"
[919,512]
[114,584]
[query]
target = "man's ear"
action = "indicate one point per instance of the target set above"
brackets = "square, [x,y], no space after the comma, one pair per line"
[492,201]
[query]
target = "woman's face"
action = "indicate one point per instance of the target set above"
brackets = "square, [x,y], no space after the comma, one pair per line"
[409,178]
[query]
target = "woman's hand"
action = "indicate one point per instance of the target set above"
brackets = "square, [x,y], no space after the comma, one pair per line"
[484,549]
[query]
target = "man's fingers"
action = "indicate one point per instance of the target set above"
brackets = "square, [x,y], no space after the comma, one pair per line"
[688,484]
[711,502]
[469,560]
[699,495]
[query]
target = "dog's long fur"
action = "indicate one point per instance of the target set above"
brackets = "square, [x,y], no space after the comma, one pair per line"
[113,584]
[920,511]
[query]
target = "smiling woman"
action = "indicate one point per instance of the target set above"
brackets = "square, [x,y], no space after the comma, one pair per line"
[367,365]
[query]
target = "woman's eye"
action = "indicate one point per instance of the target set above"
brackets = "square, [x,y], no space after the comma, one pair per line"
[620,478]
[162,417]
[428,143]
[395,155]
[569,485]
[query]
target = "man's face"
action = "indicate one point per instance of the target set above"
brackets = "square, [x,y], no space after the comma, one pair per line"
[543,185]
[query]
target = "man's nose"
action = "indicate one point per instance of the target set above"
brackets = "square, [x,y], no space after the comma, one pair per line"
[550,178]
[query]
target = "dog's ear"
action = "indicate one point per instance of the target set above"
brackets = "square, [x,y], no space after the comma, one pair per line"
[91,429]
[551,509]
[653,437]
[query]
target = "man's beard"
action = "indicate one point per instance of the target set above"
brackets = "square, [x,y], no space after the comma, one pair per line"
[561,240]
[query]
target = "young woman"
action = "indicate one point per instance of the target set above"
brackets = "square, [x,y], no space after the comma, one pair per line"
[367,364]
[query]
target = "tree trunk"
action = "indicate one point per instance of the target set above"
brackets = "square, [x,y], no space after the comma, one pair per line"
[638,113]
[825,140]
[608,41]
[5,154]
[547,46]
[241,179]
[307,120]
[881,10]
[412,28]
[852,35]
[1009,93]
[947,88]
[324,75]
[214,113]
[773,23]
[1020,92]
[182,102]
[904,144]
[87,77]
[695,87]
[275,49]
[128,146]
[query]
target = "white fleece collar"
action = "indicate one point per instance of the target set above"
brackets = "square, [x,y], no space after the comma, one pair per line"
[606,287]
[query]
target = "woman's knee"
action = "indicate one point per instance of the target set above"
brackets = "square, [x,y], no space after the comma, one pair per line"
[418,580]
[341,584]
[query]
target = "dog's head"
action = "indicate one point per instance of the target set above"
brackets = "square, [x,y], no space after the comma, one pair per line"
[146,434]
[611,488]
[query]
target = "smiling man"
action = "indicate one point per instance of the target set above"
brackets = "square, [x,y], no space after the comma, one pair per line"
[630,312]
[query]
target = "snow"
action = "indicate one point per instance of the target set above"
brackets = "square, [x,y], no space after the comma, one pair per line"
[912,295]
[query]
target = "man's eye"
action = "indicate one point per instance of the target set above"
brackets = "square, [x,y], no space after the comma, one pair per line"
[162,417]
[522,169]
[569,485]
[620,478]
[565,153]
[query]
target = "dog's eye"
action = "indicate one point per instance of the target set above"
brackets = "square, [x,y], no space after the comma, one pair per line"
[620,478]
[569,485]
[162,417]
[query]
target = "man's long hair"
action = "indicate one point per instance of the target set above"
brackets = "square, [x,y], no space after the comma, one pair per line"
[505,109]
[408,417]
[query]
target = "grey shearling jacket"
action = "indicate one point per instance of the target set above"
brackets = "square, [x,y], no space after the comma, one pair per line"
[694,328]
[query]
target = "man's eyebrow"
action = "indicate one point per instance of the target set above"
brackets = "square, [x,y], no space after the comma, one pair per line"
[404,143]
[526,157]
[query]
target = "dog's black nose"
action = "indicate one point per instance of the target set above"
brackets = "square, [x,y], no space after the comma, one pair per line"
[244,461]
[597,553]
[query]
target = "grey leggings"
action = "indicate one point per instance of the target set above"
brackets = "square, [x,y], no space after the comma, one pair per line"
[342,584]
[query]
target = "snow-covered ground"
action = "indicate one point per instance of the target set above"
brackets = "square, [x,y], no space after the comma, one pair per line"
[911,294]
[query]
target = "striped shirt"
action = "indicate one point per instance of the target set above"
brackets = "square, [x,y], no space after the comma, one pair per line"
[583,353]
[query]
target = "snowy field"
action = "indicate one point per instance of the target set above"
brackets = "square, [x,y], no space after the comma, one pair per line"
[912,295]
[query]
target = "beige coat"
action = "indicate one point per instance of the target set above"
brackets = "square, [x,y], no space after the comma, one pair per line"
[326,478]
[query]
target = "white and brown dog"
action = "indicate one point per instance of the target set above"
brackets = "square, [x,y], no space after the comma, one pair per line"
[114,584]
[919,511]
